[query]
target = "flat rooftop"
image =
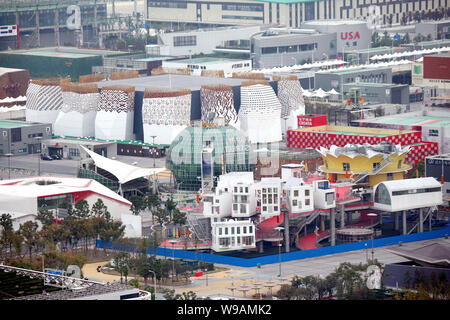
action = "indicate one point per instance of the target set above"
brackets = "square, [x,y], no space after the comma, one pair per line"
[347,130]
[173,81]
[6,124]
[206,60]
[411,120]
[63,52]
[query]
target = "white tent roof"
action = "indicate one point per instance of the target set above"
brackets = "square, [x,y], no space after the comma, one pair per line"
[123,172]
[307,93]
[332,91]
[320,93]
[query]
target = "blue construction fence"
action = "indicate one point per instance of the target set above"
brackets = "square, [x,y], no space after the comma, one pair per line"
[290,256]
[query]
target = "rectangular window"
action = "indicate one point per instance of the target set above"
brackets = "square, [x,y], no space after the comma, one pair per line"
[307,201]
[168,4]
[306,193]
[295,193]
[244,229]
[346,166]
[399,164]
[269,50]
[16,134]
[220,231]
[390,176]
[238,230]
[433,133]
[250,229]
[183,41]
[294,203]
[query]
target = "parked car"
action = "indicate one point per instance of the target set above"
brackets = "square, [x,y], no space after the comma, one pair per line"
[46,157]
[55,157]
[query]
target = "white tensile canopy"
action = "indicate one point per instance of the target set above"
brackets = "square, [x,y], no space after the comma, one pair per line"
[123,172]
[332,91]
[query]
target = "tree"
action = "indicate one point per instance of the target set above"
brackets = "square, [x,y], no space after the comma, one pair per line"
[137,204]
[82,209]
[7,232]
[162,216]
[178,217]
[29,232]
[170,206]
[153,202]
[45,217]
[143,268]
[120,262]
[99,209]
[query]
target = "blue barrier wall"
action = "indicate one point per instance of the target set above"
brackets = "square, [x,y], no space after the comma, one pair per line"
[296,255]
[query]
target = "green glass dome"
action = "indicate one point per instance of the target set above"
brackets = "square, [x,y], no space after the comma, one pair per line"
[231,150]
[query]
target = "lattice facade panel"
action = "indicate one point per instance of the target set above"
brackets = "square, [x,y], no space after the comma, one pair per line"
[220,102]
[165,117]
[115,115]
[260,114]
[43,103]
[77,114]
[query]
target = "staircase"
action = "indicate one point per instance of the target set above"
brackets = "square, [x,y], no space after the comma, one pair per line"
[386,161]
[198,228]
[415,223]
[305,222]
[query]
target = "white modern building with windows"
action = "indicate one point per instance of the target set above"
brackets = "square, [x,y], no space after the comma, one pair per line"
[292,13]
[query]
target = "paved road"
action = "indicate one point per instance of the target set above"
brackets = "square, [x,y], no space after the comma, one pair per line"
[313,266]
[65,167]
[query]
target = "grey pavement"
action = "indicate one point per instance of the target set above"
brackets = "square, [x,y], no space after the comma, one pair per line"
[65,167]
[322,266]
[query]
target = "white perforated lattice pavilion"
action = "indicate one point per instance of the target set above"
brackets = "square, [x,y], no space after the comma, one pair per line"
[115,114]
[165,117]
[260,113]
[292,103]
[77,115]
[43,103]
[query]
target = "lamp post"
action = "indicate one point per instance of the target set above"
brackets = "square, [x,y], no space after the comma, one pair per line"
[173,262]
[279,248]
[373,229]
[154,151]
[154,282]
[285,126]
[9,164]
[39,155]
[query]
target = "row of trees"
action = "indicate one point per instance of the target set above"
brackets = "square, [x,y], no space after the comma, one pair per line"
[162,212]
[386,41]
[78,230]
[347,282]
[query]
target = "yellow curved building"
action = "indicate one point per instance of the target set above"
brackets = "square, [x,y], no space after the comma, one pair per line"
[365,164]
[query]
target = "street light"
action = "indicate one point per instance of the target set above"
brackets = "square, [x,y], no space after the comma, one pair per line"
[173,262]
[154,151]
[279,248]
[373,229]
[9,164]
[39,155]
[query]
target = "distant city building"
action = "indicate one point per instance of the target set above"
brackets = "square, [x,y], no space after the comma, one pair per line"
[284,13]
[205,41]
[365,164]
[438,167]
[314,40]
[53,23]
[21,137]
[199,65]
